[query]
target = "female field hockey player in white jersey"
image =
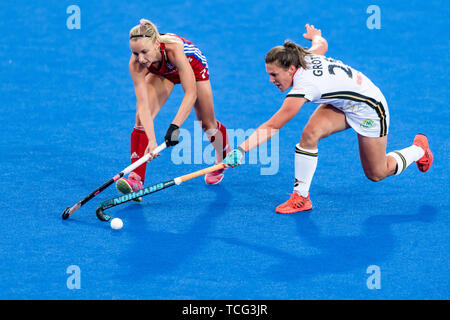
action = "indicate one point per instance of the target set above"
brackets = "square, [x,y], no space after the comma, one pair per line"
[346,98]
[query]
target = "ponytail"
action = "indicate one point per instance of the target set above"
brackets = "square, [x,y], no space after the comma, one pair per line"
[289,54]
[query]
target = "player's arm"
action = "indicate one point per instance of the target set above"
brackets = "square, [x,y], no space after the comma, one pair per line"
[291,106]
[138,73]
[187,78]
[319,44]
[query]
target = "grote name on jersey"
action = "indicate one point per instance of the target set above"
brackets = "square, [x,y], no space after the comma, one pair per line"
[317,66]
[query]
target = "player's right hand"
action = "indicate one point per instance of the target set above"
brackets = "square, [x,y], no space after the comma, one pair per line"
[234,157]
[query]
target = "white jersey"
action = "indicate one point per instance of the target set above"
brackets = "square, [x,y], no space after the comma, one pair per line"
[329,81]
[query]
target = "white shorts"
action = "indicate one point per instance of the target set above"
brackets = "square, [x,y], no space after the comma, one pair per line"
[370,118]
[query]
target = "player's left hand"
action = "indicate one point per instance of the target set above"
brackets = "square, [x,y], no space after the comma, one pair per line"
[172,135]
[311,32]
[234,157]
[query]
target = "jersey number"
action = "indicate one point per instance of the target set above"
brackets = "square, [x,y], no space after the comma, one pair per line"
[331,68]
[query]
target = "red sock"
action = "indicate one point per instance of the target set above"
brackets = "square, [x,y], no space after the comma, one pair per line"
[139,142]
[220,140]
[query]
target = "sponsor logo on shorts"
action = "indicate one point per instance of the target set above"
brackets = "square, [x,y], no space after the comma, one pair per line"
[367,124]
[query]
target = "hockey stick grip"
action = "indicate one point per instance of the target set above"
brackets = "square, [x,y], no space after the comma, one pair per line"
[199,173]
[143,159]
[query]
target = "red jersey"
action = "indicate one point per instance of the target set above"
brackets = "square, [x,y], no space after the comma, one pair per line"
[193,54]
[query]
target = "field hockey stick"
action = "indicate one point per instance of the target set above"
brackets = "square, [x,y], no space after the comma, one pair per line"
[151,189]
[70,210]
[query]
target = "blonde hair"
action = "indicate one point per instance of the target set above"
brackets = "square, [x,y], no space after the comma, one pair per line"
[289,54]
[146,29]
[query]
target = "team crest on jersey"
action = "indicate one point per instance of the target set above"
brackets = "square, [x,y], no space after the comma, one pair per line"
[367,124]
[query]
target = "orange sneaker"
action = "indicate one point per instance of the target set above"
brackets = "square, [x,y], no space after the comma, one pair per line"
[295,203]
[425,162]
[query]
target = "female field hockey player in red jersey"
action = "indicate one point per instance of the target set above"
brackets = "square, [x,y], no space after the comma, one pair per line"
[346,98]
[157,63]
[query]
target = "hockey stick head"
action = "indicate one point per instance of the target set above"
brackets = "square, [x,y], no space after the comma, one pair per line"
[101,214]
[70,210]
[66,213]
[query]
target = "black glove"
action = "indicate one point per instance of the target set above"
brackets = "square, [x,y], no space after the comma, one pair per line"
[172,135]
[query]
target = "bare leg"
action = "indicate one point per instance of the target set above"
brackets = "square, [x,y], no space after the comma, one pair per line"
[376,164]
[159,90]
[204,109]
[204,106]
[325,121]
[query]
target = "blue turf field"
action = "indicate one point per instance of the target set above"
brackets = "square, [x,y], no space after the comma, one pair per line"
[67,110]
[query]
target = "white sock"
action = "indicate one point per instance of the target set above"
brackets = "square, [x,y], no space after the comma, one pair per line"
[211,132]
[305,166]
[406,156]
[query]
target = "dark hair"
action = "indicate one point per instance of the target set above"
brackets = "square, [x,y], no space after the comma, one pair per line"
[289,54]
